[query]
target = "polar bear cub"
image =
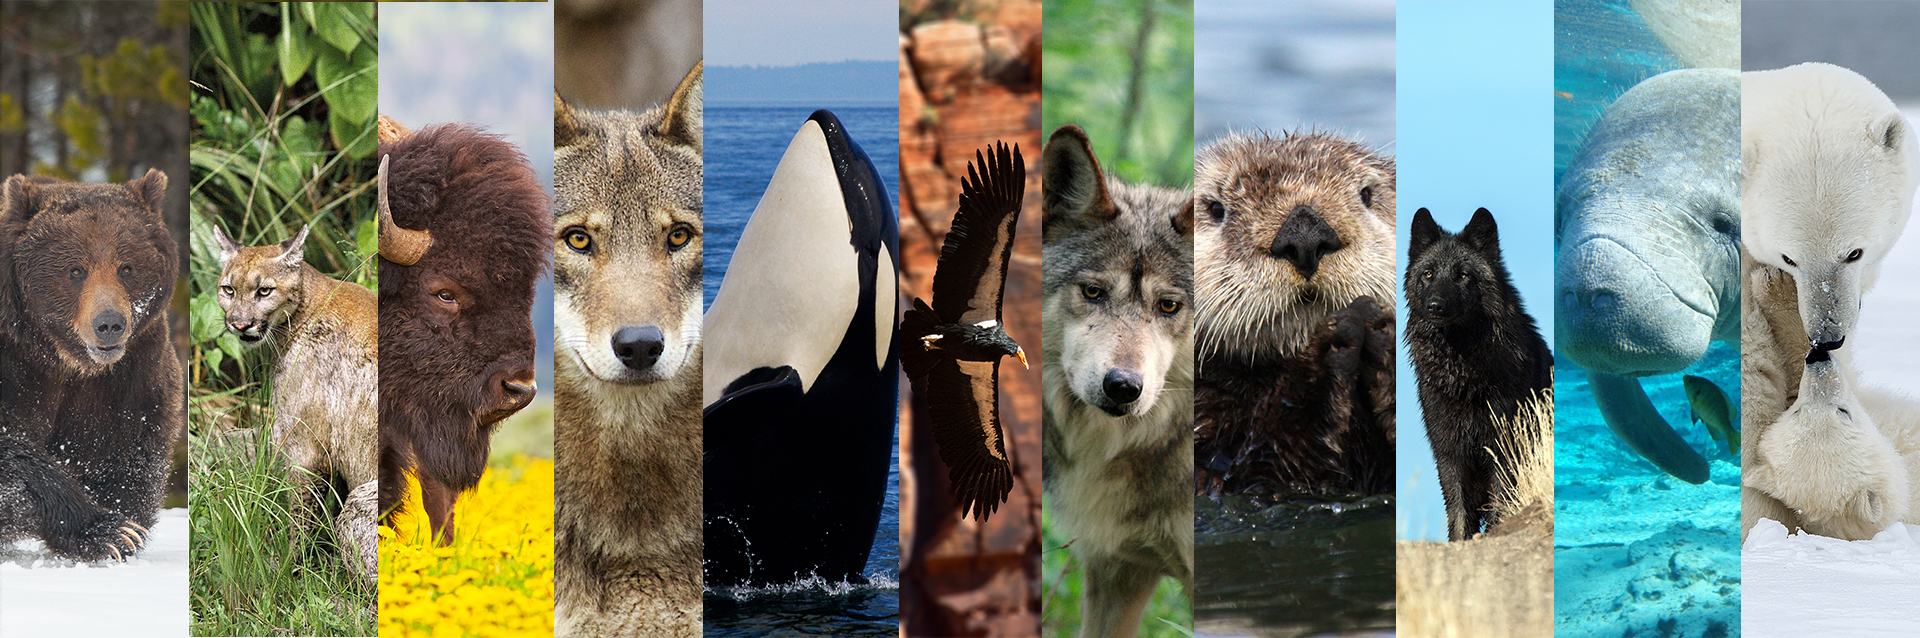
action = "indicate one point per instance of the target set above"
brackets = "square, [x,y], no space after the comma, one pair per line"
[1827,460]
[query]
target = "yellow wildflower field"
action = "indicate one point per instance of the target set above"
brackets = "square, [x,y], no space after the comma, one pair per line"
[495,579]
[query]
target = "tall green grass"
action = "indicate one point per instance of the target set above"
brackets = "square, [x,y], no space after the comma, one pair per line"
[1169,613]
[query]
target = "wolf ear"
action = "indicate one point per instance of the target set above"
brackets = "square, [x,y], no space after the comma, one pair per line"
[294,249]
[1075,189]
[1481,233]
[150,190]
[682,122]
[1425,232]
[1183,220]
[228,247]
[566,128]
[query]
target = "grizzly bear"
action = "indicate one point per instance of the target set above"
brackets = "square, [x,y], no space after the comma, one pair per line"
[92,396]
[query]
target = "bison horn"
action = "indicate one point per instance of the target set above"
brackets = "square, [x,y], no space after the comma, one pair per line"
[398,245]
[391,130]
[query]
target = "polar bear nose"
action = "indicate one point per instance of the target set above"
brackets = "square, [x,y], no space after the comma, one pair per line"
[1304,239]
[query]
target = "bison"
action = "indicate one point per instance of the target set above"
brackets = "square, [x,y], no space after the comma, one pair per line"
[465,234]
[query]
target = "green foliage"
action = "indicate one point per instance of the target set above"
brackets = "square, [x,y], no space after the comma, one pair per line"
[1130,88]
[1169,613]
[109,91]
[256,50]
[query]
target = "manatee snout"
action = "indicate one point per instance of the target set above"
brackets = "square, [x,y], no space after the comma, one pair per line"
[1616,315]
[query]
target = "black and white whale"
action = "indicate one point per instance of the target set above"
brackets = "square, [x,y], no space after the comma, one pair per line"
[801,372]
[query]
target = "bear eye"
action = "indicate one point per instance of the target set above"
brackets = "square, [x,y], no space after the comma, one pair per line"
[578,240]
[1854,256]
[264,292]
[1092,292]
[226,290]
[127,269]
[1789,260]
[1216,210]
[77,273]
[1366,196]
[679,236]
[1169,306]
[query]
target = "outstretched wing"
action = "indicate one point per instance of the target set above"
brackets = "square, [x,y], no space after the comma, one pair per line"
[963,405]
[967,286]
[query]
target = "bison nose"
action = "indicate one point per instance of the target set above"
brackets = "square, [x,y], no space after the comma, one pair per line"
[517,391]
[110,327]
[1122,386]
[639,348]
[1304,239]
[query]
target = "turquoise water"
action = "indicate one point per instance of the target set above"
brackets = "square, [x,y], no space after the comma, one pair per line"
[1636,552]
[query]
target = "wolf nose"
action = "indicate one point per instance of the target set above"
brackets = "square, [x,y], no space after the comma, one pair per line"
[110,326]
[1122,386]
[1304,239]
[638,348]
[1436,308]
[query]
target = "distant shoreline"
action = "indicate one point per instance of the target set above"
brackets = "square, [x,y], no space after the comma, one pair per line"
[849,82]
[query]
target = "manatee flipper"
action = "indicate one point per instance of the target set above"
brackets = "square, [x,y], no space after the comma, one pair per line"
[1628,412]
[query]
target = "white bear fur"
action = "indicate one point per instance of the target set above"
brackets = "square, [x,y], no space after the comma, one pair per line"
[1829,166]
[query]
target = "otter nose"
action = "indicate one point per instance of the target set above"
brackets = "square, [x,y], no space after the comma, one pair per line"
[110,327]
[638,348]
[1304,239]
[1122,386]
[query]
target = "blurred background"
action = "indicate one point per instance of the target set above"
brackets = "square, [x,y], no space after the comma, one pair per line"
[970,77]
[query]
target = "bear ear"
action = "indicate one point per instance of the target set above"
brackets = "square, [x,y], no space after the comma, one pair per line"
[1893,132]
[294,249]
[150,190]
[682,121]
[1075,190]
[1425,232]
[228,247]
[18,203]
[567,130]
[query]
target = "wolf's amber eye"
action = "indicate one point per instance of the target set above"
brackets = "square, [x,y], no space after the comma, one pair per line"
[226,290]
[679,236]
[1427,275]
[1854,256]
[579,240]
[1169,306]
[1091,291]
[1789,260]
[1366,196]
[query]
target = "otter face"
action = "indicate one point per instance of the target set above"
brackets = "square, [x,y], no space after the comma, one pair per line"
[1289,231]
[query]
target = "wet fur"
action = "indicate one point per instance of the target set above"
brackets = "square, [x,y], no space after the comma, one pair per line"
[1295,392]
[1119,486]
[627,544]
[84,438]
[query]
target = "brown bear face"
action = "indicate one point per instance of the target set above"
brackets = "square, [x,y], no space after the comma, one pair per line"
[89,265]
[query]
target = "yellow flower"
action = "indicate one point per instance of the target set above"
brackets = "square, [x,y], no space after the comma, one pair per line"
[495,578]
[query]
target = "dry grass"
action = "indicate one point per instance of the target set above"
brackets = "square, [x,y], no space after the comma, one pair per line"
[1501,582]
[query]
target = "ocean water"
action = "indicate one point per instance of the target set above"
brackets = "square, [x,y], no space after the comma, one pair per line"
[1636,552]
[743,144]
[1299,567]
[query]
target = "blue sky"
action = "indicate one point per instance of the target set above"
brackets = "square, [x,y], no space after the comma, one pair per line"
[785,33]
[1475,129]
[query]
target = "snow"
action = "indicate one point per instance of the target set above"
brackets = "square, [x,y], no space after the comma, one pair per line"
[1809,585]
[145,596]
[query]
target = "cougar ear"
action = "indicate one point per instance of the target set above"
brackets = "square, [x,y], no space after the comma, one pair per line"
[567,130]
[294,249]
[1075,189]
[228,247]
[682,122]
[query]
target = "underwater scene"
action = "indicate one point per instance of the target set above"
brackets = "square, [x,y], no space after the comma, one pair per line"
[1637,551]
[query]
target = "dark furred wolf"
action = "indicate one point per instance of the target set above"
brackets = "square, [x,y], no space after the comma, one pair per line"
[1476,354]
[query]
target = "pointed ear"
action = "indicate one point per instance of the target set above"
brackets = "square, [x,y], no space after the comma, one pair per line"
[1481,233]
[681,123]
[1425,232]
[294,249]
[150,190]
[228,247]
[1075,190]
[1183,220]
[567,130]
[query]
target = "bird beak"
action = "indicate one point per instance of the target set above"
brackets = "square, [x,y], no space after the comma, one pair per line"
[1022,356]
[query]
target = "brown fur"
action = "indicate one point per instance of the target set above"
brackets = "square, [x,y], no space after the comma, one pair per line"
[456,329]
[89,405]
[627,501]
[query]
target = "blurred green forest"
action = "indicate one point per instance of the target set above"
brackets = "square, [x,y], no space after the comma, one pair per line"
[1124,72]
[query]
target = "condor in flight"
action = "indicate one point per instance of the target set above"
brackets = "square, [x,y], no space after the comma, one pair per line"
[952,350]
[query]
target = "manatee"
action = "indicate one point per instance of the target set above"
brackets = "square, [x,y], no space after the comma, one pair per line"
[1647,270]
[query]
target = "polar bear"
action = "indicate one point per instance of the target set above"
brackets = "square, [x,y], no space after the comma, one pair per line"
[1829,169]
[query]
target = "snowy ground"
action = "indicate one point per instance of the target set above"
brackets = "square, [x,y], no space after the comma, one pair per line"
[1806,585]
[146,596]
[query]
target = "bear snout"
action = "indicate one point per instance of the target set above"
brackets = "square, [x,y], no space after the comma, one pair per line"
[109,328]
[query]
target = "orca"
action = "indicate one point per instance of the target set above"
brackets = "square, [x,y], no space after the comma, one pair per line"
[801,374]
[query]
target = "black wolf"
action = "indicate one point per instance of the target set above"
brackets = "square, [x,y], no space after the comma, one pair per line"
[1476,354]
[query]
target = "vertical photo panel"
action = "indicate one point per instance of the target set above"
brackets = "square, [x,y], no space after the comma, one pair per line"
[627,261]
[970,279]
[1476,492]
[1117,318]
[1294,205]
[1829,440]
[465,241]
[1646,318]
[94,307]
[801,388]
